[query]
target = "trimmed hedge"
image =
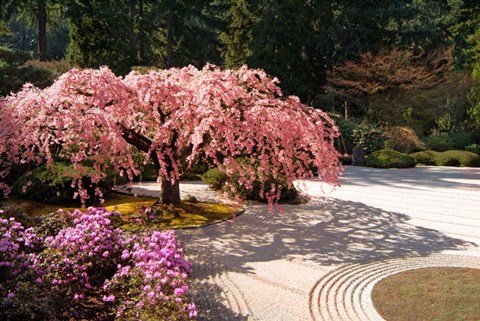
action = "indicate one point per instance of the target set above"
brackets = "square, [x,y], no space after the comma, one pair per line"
[447,158]
[388,158]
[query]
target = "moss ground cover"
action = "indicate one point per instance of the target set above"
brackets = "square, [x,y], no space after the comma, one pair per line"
[132,208]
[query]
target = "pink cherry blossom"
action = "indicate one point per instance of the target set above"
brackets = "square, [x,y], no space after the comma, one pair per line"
[174,117]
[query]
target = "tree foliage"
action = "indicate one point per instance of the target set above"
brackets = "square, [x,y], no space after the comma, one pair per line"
[173,116]
[384,85]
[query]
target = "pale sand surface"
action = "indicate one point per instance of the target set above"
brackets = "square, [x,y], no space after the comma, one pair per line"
[319,261]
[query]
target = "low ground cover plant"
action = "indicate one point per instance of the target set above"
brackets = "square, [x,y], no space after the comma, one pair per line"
[87,269]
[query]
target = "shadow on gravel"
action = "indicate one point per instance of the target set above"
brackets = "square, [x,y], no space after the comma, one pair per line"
[424,176]
[212,308]
[325,232]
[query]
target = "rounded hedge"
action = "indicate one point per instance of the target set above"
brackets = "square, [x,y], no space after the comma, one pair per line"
[447,158]
[387,158]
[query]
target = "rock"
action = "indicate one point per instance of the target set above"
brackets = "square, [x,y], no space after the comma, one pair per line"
[358,156]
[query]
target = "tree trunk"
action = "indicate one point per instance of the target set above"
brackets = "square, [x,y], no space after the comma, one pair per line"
[169,193]
[42,30]
[329,52]
[141,32]
[131,17]
[169,38]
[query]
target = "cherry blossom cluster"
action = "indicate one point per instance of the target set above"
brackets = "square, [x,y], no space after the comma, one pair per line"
[173,116]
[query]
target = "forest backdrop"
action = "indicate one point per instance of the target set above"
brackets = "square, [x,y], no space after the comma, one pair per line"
[408,63]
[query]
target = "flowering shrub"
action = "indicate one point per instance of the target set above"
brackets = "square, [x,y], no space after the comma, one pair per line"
[16,248]
[84,255]
[151,281]
[92,270]
[18,278]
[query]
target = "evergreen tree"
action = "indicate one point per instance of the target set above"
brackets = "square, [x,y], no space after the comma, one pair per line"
[291,42]
[99,34]
[238,36]
[467,36]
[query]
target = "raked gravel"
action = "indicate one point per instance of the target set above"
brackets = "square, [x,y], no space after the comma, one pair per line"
[320,260]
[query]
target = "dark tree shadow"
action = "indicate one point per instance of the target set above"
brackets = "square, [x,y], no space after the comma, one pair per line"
[212,300]
[324,232]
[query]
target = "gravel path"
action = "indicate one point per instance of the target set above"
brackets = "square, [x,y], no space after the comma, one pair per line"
[319,261]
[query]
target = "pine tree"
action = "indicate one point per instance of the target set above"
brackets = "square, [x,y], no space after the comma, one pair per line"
[99,34]
[238,36]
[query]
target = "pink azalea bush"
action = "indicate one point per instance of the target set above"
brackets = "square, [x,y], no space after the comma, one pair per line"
[139,277]
[17,248]
[154,262]
[84,255]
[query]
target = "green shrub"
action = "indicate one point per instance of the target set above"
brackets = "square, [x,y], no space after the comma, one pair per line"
[345,142]
[438,143]
[461,140]
[217,180]
[369,136]
[473,148]
[402,139]
[14,56]
[41,74]
[447,158]
[388,158]
[195,172]
[54,185]
[426,157]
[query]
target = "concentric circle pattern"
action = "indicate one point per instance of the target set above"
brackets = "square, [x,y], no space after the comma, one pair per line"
[344,294]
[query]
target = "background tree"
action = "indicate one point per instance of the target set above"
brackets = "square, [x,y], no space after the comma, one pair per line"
[173,116]
[236,39]
[385,86]
[99,34]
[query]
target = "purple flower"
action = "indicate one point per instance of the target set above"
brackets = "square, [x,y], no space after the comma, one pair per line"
[109,298]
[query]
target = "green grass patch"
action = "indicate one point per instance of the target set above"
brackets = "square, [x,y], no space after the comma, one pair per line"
[447,158]
[187,214]
[436,294]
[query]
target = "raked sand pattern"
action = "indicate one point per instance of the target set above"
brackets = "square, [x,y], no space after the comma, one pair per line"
[320,261]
